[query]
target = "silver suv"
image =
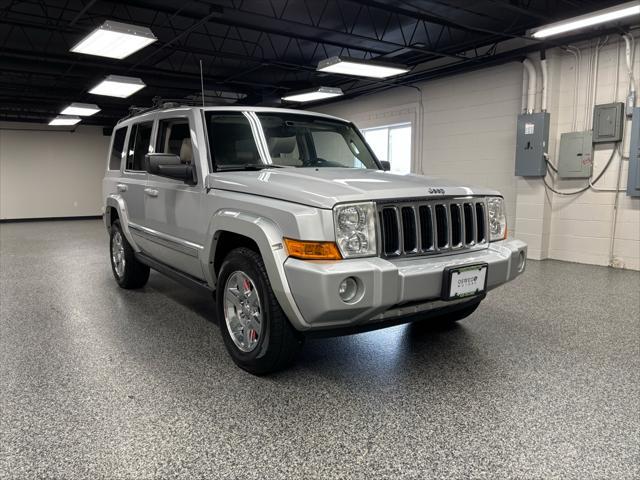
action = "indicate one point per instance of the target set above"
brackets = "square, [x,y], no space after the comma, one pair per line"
[289,218]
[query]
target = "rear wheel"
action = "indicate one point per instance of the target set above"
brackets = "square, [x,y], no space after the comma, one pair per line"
[255,330]
[127,270]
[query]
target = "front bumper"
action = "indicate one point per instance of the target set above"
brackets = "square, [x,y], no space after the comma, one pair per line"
[388,288]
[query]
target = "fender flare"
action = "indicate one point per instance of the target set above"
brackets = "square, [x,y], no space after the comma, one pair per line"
[268,236]
[117,202]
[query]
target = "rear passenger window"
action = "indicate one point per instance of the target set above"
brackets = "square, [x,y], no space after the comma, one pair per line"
[116,148]
[139,139]
[174,137]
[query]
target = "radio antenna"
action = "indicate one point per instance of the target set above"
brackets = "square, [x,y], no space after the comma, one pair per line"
[201,83]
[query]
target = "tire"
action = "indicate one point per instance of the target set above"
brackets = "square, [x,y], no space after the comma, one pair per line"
[132,274]
[255,330]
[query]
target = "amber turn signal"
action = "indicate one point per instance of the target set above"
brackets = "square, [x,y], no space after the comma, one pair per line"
[312,250]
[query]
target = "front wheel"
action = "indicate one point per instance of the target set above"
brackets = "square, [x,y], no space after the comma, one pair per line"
[255,330]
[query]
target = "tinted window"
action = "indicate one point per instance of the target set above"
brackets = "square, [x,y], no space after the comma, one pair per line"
[116,149]
[230,139]
[139,139]
[174,137]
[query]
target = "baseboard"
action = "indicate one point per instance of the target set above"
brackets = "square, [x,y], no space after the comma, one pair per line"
[49,219]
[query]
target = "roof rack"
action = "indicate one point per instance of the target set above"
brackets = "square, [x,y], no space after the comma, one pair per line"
[160,103]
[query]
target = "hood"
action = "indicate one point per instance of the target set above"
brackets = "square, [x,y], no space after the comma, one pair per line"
[324,187]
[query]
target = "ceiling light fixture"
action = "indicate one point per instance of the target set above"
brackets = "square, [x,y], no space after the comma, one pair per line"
[118,86]
[311,95]
[82,109]
[590,19]
[361,68]
[63,120]
[115,40]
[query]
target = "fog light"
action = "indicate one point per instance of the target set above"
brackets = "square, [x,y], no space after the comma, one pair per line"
[522,260]
[348,289]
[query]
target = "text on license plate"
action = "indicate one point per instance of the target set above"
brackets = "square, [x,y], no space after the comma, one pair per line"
[467,281]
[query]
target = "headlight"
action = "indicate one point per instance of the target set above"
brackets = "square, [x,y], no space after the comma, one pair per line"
[497,219]
[355,227]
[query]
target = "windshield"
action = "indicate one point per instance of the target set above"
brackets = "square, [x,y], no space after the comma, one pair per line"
[293,140]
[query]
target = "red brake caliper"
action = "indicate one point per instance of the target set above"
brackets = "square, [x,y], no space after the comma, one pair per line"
[253,335]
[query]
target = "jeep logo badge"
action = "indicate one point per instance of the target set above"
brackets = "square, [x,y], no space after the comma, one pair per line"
[436,191]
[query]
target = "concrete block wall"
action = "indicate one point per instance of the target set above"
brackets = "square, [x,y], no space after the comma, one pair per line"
[581,225]
[468,134]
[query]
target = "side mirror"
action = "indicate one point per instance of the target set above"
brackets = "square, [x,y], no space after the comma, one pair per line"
[386,166]
[170,165]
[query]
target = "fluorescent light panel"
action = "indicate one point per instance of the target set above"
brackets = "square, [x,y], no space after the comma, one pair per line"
[62,120]
[118,86]
[313,94]
[115,40]
[361,68]
[82,109]
[595,18]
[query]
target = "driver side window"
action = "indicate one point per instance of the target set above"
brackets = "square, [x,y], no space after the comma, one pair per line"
[174,136]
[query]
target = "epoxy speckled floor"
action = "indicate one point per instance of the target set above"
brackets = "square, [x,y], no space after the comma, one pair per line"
[543,381]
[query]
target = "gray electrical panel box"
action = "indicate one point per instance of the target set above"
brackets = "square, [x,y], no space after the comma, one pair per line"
[633,182]
[608,122]
[575,159]
[532,143]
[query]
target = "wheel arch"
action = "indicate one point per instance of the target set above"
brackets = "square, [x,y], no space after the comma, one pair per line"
[115,205]
[260,234]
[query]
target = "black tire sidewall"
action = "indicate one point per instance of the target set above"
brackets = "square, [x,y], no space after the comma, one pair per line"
[237,262]
[116,228]
[135,273]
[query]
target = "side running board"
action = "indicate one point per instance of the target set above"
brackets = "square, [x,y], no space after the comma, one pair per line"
[172,273]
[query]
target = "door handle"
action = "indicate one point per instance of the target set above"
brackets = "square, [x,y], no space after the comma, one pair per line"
[151,192]
[121,187]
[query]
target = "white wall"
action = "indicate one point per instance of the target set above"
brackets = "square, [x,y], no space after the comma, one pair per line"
[469,135]
[47,173]
[469,125]
[578,228]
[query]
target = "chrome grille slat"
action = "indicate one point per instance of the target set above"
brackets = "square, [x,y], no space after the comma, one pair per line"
[429,227]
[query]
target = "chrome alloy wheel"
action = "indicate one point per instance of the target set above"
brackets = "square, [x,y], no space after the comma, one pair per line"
[117,254]
[242,311]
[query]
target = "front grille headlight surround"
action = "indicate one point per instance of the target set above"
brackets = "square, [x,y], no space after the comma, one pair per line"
[497,219]
[355,228]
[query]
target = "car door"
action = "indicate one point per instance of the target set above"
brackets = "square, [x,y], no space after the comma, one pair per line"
[134,178]
[173,208]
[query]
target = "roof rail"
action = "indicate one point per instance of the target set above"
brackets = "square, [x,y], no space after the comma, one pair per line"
[160,103]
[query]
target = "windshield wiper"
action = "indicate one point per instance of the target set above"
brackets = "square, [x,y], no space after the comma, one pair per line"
[246,166]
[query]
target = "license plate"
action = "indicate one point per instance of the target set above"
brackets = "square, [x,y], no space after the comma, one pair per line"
[465,281]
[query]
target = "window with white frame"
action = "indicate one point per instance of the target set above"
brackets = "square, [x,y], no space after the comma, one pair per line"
[393,144]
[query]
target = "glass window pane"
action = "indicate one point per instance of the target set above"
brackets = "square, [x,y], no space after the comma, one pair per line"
[231,139]
[174,137]
[139,139]
[400,149]
[378,140]
[296,140]
[116,149]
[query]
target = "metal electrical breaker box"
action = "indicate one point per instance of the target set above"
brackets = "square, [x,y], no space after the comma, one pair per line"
[608,122]
[532,143]
[633,181]
[575,159]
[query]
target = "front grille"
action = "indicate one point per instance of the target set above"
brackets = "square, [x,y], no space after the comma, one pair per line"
[427,227]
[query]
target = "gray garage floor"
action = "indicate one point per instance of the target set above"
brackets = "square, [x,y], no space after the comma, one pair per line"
[542,381]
